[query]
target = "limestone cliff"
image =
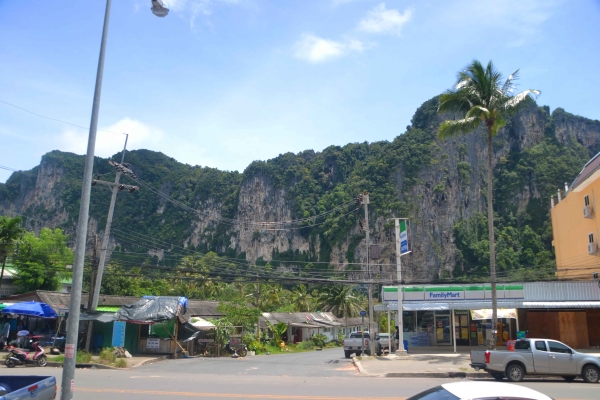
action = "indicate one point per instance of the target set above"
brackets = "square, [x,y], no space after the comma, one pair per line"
[433,183]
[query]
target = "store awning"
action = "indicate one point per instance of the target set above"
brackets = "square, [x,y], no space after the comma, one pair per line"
[561,304]
[476,305]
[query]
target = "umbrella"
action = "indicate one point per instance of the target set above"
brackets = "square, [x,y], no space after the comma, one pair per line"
[31,308]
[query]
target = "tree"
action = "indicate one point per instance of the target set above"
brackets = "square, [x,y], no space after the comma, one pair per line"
[302,299]
[341,301]
[11,234]
[482,98]
[41,261]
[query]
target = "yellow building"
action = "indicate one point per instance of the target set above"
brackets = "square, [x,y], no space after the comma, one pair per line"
[575,218]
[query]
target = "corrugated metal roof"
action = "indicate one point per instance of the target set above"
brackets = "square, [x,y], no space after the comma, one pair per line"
[561,291]
[587,170]
[561,304]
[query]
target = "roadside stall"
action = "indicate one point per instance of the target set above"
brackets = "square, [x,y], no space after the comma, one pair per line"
[159,320]
[33,321]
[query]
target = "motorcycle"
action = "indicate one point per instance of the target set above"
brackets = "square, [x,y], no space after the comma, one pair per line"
[235,353]
[24,357]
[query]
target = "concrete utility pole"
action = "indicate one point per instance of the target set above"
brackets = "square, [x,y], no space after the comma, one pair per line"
[400,351]
[371,333]
[68,376]
[106,237]
[93,266]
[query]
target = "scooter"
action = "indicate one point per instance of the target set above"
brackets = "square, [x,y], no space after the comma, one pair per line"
[24,357]
[235,353]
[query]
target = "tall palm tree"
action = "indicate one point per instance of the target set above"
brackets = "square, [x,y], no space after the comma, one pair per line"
[482,98]
[341,301]
[11,234]
[302,299]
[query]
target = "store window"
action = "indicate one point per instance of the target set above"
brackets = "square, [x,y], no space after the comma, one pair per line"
[409,321]
[425,321]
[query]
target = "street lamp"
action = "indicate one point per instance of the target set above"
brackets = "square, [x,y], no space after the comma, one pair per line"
[68,377]
[159,9]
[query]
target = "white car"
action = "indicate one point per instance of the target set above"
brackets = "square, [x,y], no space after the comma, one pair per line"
[470,390]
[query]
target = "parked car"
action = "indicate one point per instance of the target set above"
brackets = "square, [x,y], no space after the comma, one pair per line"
[353,344]
[25,387]
[479,391]
[537,357]
[384,342]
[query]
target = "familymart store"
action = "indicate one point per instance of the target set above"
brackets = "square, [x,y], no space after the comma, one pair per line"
[563,310]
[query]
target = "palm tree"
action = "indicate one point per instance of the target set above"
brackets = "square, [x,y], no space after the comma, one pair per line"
[11,233]
[302,299]
[482,98]
[341,301]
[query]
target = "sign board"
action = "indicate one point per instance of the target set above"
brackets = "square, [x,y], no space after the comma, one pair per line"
[118,337]
[403,237]
[452,293]
[153,343]
[362,313]
[444,293]
[486,313]
[69,350]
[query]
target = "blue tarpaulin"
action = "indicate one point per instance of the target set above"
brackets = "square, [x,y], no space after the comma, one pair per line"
[31,308]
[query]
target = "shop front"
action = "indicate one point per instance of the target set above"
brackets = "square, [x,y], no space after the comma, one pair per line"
[461,315]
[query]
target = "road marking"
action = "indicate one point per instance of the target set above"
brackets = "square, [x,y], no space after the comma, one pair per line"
[230,395]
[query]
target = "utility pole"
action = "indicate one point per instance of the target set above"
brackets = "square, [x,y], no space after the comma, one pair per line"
[116,187]
[365,199]
[68,376]
[400,351]
[93,267]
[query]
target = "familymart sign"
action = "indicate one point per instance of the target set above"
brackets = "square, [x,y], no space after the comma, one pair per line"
[452,293]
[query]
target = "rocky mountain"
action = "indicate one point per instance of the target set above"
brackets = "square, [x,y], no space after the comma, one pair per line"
[440,186]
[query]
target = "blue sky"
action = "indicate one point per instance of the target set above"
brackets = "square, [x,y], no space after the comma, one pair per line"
[221,83]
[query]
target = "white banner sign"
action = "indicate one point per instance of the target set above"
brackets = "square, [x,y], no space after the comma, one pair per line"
[153,343]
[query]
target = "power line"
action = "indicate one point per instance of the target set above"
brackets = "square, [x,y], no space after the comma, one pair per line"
[55,119]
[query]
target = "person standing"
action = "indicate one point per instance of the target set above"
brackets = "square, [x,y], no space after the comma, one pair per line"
[397,338]
[5,332]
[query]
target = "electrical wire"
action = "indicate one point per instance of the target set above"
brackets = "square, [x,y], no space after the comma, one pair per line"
[57,120]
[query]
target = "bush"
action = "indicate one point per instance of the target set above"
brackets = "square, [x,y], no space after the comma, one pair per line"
[83,357]
[319,340]
[307,345]
[121,363]
[108,355]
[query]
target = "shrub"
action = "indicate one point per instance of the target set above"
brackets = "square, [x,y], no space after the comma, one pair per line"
[319,340]
[121,363]
[108,355]
[307,345]
[83,357]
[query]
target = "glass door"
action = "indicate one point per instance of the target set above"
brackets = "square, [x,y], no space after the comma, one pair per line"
[443,330]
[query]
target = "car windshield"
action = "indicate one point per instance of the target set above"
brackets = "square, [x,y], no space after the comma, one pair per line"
[436,393]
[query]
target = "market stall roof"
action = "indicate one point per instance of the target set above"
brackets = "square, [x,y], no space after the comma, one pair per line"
[150,310]
[98,316]
[31,308]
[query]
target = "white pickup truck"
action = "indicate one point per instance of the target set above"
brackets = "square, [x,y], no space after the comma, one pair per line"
[353,344]
[537,357]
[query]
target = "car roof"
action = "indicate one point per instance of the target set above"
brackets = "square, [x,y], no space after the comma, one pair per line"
[471,389]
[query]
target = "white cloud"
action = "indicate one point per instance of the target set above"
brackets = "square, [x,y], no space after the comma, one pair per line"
[383,20]
[141,136]
[314,49]
[192,9]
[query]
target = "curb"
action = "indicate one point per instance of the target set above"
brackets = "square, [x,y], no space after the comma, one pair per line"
[81,365]
[151,361]
[358,365]
[437,375]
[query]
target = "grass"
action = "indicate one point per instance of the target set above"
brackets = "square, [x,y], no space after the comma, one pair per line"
[82,357]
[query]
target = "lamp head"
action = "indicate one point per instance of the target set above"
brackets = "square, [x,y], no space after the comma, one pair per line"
[159,8]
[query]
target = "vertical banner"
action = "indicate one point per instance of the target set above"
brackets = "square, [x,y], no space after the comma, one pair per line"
[403,237]
[118,338]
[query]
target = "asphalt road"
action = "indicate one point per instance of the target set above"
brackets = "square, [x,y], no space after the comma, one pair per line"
[325,375]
